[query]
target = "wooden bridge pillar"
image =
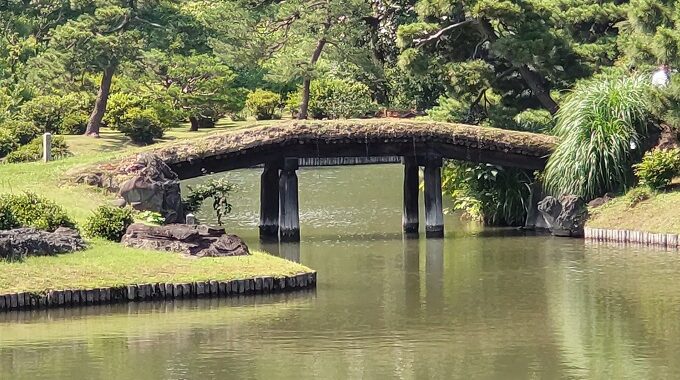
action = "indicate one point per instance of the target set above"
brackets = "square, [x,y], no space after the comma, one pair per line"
[409,218]
[434,209]
[269,201]
[289,212]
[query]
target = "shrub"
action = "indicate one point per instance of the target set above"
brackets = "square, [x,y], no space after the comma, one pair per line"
[533,120]
[151,217]
[263,104]
[488,193]
[658,168]
[7,219]
[109,222]
[142,126]
[74,124]
[637,195]
[31,210]
[337,98]
[48,112]
[217,189]
[14,133]
[598,125]
[33,151]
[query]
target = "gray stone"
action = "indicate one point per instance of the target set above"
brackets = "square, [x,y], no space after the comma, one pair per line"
[132,292]
[20,243]
[119,202]
[198,241]
[566,215]
[155,187]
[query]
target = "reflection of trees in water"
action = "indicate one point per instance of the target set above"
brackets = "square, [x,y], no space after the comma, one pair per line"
[615,312]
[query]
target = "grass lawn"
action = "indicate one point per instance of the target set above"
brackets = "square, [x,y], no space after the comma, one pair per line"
[104,263]
[108,264]
[659,214]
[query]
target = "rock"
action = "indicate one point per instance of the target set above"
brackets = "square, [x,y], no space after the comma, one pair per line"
[22,242]
[154,188]
[597,202]
[566,215]
[193,240]
[120,202]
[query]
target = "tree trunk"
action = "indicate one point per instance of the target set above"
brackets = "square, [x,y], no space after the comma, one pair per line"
[533,79]
[307,81]
[97,114]
[194,123]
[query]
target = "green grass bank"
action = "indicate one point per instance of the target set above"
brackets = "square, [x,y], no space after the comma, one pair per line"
[106,264]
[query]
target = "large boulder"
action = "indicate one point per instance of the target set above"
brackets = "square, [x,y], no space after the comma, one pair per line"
[23,242]
[155,187]
[192,240]
[566,215]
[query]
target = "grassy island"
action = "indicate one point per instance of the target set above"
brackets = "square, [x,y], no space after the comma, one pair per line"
[107,264]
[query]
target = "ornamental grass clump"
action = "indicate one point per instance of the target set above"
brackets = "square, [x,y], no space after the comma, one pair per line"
[601,127]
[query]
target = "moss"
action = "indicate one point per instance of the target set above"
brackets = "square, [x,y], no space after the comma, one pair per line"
[528,144]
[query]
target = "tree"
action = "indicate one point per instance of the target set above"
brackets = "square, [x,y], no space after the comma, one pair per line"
[506,46]
[200,84]
[105,35]
[301,31]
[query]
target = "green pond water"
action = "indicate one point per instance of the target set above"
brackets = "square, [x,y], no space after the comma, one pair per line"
[481,303]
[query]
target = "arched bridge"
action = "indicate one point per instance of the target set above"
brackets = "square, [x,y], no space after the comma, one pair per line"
[282,147]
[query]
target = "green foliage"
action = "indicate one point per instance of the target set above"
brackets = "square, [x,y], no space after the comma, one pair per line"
[217,189]
[488,193]
[33,151]
[337,98]
[638,195]
[14,133]
[142,126]
[533,120]
[108,222]
[57,113]
[263,104]
[7,219]
[31,210]
[601,127]
[658,168]
[151,217]
[73,124]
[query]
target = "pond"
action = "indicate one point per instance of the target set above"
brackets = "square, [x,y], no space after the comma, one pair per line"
[480,303]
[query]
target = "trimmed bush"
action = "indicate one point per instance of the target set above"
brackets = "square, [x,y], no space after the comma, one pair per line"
[337,98]
[142,126]
[49,112]
[14,133]
[109,222]
[7,219]
[658,168]
[30,210]
[74,124]
[263,104]
[33,151]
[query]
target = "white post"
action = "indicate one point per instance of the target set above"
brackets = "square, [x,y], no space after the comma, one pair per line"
[191,219]
[47,147]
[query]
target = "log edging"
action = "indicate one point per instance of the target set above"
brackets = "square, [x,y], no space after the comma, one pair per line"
[155,292]
[632,237]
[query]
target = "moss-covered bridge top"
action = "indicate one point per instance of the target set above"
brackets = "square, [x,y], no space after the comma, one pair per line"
[251,146]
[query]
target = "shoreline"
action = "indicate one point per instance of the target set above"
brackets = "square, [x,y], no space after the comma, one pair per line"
[632,237]
[155,292]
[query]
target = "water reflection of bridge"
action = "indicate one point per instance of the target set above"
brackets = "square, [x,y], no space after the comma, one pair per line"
[282,149]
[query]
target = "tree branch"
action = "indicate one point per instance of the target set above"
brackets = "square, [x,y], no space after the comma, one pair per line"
[435,36]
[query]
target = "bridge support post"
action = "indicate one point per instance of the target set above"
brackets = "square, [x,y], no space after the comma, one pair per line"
[434,209]
[409,218]
[269,201]
[289,212]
